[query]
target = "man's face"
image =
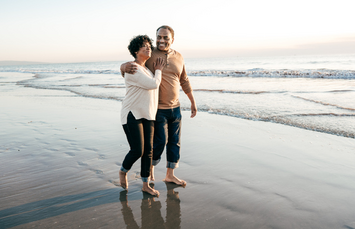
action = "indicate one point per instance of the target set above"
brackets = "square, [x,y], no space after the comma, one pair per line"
[164,39]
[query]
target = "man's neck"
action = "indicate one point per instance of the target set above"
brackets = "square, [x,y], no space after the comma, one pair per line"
[165,51]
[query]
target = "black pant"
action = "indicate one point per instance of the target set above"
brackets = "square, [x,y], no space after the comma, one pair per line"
[140,138]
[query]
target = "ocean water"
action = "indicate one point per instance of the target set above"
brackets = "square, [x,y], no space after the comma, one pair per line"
[311,92]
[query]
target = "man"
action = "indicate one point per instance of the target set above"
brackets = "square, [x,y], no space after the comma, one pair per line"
[168,118]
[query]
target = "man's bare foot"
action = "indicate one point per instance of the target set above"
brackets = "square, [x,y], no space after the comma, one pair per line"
[151,177]
[170,177]
[175,180]
[146,188]
[123,180]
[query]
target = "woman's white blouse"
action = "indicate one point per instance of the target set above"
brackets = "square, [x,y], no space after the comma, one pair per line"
[141,98]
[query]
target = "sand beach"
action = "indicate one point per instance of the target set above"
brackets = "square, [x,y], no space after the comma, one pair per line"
[60,155]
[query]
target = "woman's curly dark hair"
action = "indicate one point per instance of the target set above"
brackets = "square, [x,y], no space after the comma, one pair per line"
[137,43]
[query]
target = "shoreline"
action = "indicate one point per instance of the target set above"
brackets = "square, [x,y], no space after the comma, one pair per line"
[343,118]
[61,155]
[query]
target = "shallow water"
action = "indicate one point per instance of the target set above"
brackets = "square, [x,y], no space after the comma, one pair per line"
[310,92]
[324,105]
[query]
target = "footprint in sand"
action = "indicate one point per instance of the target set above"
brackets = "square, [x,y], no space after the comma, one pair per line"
[82,163]
[70,154]
[117,183]
[97,171]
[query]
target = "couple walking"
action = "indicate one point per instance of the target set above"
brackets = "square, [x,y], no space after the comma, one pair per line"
[150,114]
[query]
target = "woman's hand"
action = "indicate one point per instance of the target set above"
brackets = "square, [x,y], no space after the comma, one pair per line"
[159,64]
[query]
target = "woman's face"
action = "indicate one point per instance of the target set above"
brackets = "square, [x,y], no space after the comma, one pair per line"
[145,51]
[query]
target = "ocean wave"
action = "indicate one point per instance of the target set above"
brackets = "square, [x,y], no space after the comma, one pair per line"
[285,73]
[232,91]
[255,72]
[60,71]
[290,120]
[323,103]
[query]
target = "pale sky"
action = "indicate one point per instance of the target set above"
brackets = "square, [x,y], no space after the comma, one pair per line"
[100,30]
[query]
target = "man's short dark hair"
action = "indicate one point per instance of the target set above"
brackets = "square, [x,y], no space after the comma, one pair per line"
[167,27]
[137,43]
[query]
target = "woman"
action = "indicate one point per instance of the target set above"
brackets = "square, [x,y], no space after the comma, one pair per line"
[138,111]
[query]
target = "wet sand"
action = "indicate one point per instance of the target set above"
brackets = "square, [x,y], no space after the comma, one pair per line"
[60,155]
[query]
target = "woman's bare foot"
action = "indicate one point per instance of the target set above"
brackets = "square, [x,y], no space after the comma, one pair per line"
[152,174]
[146,188]
[123,180]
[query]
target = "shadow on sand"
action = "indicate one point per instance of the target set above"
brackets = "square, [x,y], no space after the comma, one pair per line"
[150,209]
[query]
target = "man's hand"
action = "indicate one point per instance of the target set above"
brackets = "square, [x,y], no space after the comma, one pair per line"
[193,104]
[193,110]
[128,67]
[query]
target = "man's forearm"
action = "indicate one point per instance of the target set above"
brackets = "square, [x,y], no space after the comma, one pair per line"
[122,68]
[191,98]
[128,67]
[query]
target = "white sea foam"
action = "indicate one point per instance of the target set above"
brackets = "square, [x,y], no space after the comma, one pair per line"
[309,73]
[236,68]
[284,73]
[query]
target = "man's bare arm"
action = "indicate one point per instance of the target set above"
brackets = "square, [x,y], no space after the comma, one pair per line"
[193,104]
[128,67]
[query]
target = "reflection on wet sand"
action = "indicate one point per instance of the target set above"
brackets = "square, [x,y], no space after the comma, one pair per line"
[58,206]
[150,210]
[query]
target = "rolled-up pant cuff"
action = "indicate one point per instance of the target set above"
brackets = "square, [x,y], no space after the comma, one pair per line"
[172,165]
[124,170]
[145,179]
[155,162]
